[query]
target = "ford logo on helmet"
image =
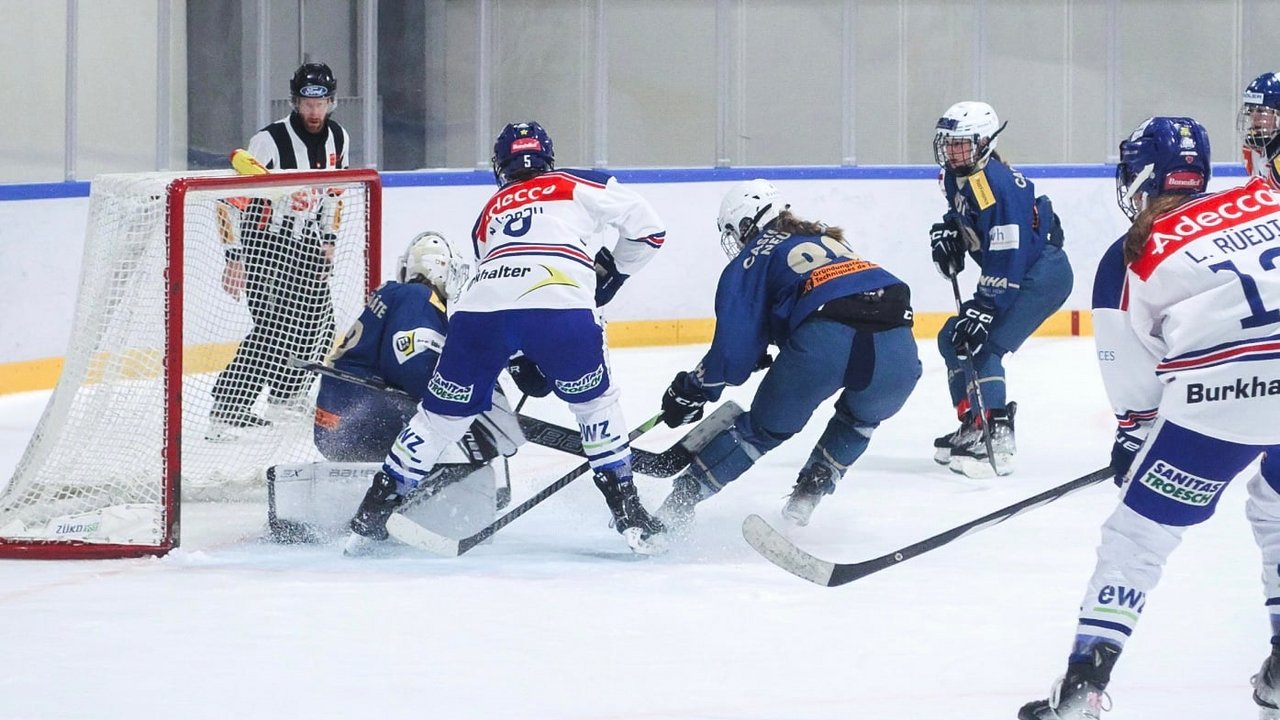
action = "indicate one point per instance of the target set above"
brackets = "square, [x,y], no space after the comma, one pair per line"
[314,91]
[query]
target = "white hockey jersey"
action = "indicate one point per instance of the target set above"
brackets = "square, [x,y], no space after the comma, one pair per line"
[1128,367]
[1204,297]
[536,241]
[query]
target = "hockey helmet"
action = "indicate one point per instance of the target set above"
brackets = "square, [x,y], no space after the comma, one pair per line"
[313,80]
[429,259]
[747,207]
[1259,126]
[1161,155]
[965,137]
[520,147]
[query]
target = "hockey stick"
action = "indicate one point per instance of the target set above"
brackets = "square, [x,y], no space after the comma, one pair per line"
[972,378]
[540,432]
[780,551]
[411,533]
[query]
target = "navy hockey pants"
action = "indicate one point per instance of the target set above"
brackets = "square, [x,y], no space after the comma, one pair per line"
[1044,289]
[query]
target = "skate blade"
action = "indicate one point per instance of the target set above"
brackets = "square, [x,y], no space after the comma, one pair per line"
[640,545]
[358,545]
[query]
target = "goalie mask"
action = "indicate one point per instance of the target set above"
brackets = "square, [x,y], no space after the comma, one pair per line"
[522,149]
[1162,155]
[428,259]
[1259,127]
[746,209]
[965,137]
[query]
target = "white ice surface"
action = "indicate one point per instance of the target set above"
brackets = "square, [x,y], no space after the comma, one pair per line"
[556,619]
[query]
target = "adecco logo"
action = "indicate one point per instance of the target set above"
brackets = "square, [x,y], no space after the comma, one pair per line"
[1203,217]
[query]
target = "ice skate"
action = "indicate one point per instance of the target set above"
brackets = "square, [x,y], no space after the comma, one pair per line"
[1266,687]
[943,446]
[1081,693]
[641,530]
[677,510]
[815,480]
[369,526]
[971,458]
[231,425]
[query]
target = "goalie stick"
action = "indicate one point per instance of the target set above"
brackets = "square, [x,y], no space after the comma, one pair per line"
[780,551]
[411,533]
[663,464]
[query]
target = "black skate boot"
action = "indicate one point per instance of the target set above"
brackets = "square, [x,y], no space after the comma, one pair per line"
[945,445]
[640,529]
[1266,686]
[370,523]
[228,425]
[1081,693]
[971,458]
[816,479]
[677,511]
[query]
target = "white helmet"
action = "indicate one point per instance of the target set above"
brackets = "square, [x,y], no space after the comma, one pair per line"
[429,258]
[971,121]
[747,207]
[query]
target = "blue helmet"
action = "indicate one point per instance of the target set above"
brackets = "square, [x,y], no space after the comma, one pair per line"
[522,147]
[1161,155]
[1259,126]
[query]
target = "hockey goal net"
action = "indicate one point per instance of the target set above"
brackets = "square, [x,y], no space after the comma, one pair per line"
[196,292]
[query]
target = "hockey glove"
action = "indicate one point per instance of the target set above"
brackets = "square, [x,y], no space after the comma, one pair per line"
[682,402]
[1123,451]
[764,363]
[608,279]
[948,248]
[528,377]
[973,327]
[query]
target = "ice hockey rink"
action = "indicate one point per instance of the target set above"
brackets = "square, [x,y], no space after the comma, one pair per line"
[556,619]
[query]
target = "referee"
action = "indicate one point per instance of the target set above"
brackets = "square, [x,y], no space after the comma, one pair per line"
[280,260]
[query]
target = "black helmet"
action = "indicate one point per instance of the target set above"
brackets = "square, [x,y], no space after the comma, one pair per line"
[313,80]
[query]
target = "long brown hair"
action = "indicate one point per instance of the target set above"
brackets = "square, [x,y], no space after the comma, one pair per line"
[789,223]
[1136,239]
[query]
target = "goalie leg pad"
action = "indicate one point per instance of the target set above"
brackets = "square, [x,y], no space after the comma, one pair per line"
[312,502]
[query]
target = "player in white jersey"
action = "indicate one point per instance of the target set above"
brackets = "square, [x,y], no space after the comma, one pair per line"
[1198,300]
[543,270]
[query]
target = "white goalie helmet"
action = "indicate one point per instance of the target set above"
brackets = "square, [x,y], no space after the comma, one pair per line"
[965,137]
[429,257]
[747,207]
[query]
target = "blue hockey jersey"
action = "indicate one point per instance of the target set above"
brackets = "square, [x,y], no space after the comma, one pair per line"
[774,283]
[1004,223]
[397,338]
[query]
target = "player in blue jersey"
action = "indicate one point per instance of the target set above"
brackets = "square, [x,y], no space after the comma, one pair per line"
[543,271]
[842,325]
[1160,304]
[397,340]
[1259,127]
[994,216]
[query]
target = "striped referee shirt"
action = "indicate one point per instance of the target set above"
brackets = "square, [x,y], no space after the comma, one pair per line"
[286,145]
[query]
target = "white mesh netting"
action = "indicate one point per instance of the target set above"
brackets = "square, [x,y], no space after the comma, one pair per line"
[94,470]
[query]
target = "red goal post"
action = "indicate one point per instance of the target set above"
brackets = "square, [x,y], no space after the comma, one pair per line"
[169,355]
